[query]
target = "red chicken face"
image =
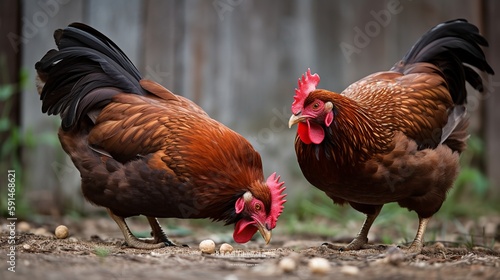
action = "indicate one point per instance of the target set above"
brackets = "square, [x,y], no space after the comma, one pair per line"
[310,121]
[310,114]
[255,217]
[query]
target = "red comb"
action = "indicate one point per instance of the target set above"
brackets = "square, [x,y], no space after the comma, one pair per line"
[306,85]
[277,198]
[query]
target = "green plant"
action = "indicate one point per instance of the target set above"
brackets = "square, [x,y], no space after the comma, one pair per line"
[10,147]
[313,213]
[468,197]
[101,252]
[17,139]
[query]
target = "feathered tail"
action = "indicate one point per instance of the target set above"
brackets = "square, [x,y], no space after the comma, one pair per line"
[84,74]
[450,46]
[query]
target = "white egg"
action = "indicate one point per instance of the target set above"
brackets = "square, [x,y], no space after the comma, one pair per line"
[226,249]
[319,265]
[287,264]
[207,246]
[61,232]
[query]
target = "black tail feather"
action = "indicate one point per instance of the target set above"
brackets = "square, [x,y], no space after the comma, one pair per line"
[84,74]
[81,35]
[453,46]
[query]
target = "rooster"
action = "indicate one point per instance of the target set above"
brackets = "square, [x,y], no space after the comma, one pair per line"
[393,136]
[142,150]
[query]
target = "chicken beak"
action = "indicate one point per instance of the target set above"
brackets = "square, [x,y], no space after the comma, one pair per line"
[295,119]
[266,234]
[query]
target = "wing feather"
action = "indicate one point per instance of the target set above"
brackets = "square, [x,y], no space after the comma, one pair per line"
[418,103]
[166,95]
[130,126]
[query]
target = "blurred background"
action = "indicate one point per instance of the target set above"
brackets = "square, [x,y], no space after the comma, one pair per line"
[240,60]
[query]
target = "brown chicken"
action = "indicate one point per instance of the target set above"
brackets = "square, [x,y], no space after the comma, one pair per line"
[142,150]
[393,136]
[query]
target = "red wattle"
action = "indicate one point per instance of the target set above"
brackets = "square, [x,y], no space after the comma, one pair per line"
[244,230]
[310,132]
[303,132]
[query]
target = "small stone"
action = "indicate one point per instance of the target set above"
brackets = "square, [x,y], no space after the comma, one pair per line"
[226,249]
[349,270]
[207,246]
[61,232]
[439,246]
[231,277]
[394,255]
[319,265]
[287,264]
[41,231]
[23,226]
[26,246]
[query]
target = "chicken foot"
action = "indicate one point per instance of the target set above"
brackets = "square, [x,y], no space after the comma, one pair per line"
[417,244]
[362,237]
[158,235]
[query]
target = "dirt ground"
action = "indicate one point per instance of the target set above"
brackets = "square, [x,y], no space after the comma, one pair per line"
[95,250]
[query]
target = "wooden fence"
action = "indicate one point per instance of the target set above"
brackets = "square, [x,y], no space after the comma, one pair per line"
[240,59]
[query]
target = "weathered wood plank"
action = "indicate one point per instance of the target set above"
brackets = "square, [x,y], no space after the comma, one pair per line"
[161,33]
[492,101]
[10,59]
[119,20]
[240,59]
[52,181]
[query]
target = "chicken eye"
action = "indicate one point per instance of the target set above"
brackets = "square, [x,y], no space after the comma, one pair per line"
[316,106]
[257,207]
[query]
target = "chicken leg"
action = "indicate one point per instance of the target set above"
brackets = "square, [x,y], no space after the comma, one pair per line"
[362,237]
[417,244]
[159,236]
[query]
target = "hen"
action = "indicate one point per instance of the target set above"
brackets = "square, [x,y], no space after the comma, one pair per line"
[393,136]
[142,150]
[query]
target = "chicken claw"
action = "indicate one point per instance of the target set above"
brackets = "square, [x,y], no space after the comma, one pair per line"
[159,235]
[362,237]
[159,238]
[417,244]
